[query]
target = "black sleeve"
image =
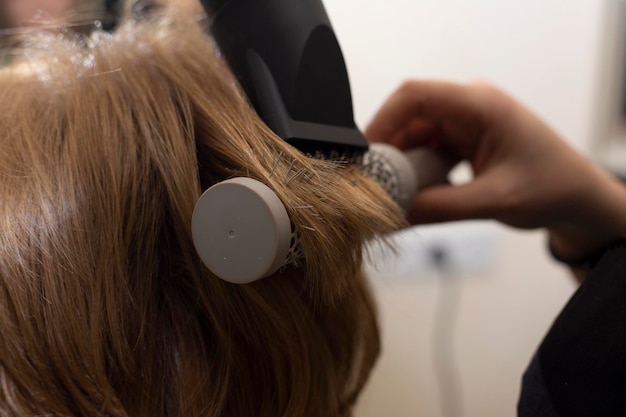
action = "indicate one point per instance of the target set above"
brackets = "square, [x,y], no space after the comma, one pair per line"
[580,367]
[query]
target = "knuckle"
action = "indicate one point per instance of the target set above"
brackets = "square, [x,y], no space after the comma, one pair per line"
[495,101]
[408,87]
[490,93]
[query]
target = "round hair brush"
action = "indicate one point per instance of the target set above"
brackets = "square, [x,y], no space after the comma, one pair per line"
[242,231]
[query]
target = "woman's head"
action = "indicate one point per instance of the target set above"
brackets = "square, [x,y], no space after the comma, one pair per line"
[106,143]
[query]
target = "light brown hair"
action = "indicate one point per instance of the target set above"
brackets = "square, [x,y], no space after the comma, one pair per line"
[106,143]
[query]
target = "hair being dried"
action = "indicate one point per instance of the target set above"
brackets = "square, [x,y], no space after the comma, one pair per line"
[106,143]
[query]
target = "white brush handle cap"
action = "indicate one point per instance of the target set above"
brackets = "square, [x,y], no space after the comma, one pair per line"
[241,230]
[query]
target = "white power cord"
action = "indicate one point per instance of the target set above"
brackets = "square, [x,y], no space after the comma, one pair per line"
[444,335]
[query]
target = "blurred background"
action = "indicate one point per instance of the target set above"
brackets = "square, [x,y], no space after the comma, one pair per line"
[463,306]
[458,333]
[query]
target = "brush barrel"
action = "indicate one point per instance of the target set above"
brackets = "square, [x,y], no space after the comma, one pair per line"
[402,174]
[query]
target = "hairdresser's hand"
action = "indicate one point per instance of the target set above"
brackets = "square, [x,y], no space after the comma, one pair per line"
[524,174]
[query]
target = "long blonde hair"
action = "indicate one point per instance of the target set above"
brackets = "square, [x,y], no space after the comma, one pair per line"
[106,143]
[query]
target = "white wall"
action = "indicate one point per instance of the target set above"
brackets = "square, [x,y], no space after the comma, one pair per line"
[545,53]
[542,51]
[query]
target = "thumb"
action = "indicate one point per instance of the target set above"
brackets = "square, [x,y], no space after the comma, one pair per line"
[475,200]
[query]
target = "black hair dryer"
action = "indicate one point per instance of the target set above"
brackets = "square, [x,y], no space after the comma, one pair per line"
[286,57]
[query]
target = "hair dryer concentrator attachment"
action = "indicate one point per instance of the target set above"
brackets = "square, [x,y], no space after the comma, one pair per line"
[241,229]
[286,57]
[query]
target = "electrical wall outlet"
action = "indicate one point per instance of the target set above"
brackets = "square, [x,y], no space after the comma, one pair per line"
[463,247]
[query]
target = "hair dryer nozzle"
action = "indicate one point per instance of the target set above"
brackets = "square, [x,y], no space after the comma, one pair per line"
[286,57]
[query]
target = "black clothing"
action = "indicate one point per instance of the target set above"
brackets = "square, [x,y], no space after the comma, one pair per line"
[580,367]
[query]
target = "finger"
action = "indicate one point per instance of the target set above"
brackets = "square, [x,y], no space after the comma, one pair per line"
[420,133]
[417,133]
[427,100]
[420,128]
[475,200]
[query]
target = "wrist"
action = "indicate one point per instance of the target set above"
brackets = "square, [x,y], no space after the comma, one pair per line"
[591,223]
[579,260]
